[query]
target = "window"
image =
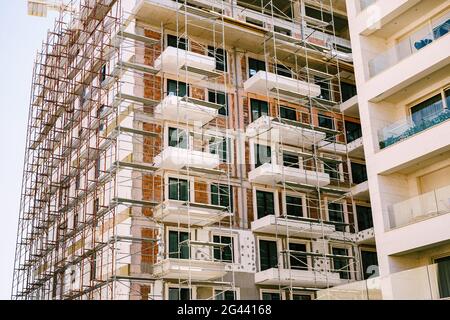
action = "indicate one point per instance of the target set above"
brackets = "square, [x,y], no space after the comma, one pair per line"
[178,249]
[341,264]
[297,259]
[325,92]
[288,113]
[103,73]
[219,98]
[173,41]
[299,296]
[256,22]
[283,71]
[177,88]
[328,123]
[447,98]
[264,203]
[364,215]
[222,195]
[179,294]
[353,131]
[271,296]
[359,173]
[259,108]
[178,138]
[224,295]
[224,253]
[332,168]
[178,189]
[282,30]
[263,154]
[255,65]
[290,160]
[340,25]
[443,270]
[294,206]
[268,255]
[336,214]
[97,168]
[427,109]
[219,145]
[369,263]
[220,56]
[348,91]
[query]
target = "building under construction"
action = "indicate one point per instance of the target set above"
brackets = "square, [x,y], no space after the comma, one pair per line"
[193,149]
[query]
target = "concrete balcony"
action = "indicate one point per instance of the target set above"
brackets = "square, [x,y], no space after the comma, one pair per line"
[356,148]
[186,64]
[281,130]
[295,226]
[361,191]
[332,147]
[297,278]
[174,158]
[186,109]
[196,270]
[272,174]
[190,213]
[267,83]
[365,237]
[350,107]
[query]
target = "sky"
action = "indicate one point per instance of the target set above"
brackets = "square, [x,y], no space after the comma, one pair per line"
[20,38]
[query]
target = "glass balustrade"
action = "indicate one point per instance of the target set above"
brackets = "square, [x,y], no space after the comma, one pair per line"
[418,40]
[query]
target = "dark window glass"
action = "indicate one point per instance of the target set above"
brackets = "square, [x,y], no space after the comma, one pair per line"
[296,258]
[336,214]
[219,146]
[347,91]
[263,154]
[427,110]
[178,189]
[178,138]
[288,113]
[259,108]
[179,294]
[282,30]
[294,206]
[270,296]
[255,65]
[181,91]
[290,160]
[221,58]
[268,254]
[325,92]
[177,248]
[103,73]
[224,295]
[364,215]
[173,41]
[447,98]
[335,24]
[301,297]
[283,71]
[264,203]
[341,264]
[443,269]
[222,195]
[219,98]
[256,22]
[328,123]
[223,253]
[369,263]
[353,131]
[332,168]
[359,173]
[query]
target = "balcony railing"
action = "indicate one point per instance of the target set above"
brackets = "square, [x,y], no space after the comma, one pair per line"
[406,128]
[424,206]
[424,283]
[432,31]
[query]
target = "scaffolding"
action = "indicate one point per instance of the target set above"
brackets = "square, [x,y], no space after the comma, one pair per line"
[139,175]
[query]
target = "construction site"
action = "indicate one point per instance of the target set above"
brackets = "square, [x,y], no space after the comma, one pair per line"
[193,149]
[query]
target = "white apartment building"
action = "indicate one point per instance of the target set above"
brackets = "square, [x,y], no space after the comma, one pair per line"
[402,69]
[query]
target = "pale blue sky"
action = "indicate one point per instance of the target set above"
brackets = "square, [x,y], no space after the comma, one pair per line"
[20,38]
